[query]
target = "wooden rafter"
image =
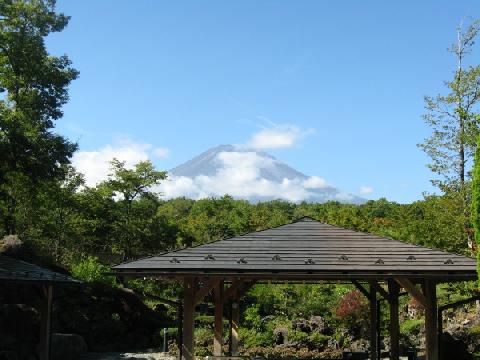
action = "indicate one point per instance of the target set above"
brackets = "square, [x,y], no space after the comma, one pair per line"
[413,290]
[360,288]
[380,290]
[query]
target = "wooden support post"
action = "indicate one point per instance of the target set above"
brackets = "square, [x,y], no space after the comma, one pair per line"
[234,325]
[379,330]
[189,288]
[373,323]
[431,325]
[46,321]
[230,329]
[393,291]
[218,328]
[180,330]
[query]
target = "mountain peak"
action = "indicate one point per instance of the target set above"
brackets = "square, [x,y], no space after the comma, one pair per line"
[253,175]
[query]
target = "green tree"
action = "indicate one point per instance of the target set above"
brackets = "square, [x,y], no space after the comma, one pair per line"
[138,204]
[452,116]
[476,201]
[34,86]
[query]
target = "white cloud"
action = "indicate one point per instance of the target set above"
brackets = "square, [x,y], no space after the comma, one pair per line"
[240,175]
[161,152]
[315,182]
[366,190]
[277,136]
[95,165]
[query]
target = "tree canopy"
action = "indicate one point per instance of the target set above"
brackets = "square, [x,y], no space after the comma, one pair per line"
[35,87]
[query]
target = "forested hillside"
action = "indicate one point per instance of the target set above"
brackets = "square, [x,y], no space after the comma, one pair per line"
[121,219]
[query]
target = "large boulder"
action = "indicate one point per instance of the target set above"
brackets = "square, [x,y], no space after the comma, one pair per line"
[318,324]
[360,345]
[10,244]
[451,348]
[302,325]
[19,331]
[8,355]
[109,319]
[280,335]
[67,346]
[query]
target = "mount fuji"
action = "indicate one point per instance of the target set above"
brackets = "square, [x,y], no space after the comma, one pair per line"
[251,175]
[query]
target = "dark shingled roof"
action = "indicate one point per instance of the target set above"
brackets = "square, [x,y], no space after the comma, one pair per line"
[20,271]
[306,249]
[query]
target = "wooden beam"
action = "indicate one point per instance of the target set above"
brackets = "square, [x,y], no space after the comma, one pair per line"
[205,290]
[394,326]
[237,289]
[218,325]
[380,290]
[431,325]
[189,287]
[412,290]
[46,321]
[361,289]
[459,303]
[231,290]
[373,323]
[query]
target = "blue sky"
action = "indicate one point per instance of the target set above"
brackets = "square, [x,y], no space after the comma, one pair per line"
[346,77]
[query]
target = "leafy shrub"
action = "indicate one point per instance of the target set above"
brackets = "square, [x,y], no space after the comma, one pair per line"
[317,340]
[411,326]
[298,336]
[252,338]
[352,308]
[474,331]
[252,318]
[203,341]
[89,269]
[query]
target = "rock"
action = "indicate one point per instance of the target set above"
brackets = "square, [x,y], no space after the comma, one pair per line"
[301,325]
[385,344]
[8,355]
[465,336]
[318,324]
[360,345]
[109,319]
[280,335]
[10,244]
[67,346]
[19,330]
[333,344]
[452,348]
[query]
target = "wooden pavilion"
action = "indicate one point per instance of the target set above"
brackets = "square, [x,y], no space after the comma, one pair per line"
[307,250]
[20,273]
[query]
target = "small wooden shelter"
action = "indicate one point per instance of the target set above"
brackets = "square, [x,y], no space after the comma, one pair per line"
[17,272]
[307,250]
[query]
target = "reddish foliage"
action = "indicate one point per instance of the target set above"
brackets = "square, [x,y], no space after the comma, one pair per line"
[352,307]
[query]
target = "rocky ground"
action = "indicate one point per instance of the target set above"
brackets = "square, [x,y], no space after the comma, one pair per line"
[127,356]
[139,356]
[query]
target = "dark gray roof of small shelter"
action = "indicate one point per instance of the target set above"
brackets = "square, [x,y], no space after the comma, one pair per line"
[15,270]
[306,246]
